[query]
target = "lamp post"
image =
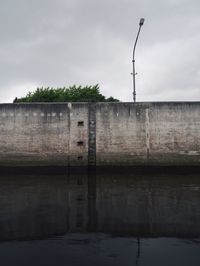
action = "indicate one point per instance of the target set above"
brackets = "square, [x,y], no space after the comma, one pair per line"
[133,60]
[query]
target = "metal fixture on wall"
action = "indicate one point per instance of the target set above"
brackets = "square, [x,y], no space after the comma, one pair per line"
[133,59]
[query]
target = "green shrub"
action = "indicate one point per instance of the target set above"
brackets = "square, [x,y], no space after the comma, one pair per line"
[71,94]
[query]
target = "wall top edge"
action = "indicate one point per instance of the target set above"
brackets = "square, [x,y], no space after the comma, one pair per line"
[103,103]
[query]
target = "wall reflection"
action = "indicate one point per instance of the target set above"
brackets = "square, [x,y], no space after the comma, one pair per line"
[142,206]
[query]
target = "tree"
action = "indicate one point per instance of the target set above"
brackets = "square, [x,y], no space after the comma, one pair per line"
[71,94]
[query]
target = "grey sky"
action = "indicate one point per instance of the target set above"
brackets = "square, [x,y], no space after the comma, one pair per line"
[66,42]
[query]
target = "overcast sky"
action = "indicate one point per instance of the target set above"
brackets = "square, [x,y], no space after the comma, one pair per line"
[66,42]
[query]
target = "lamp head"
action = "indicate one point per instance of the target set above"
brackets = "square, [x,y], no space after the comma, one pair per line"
[141,21]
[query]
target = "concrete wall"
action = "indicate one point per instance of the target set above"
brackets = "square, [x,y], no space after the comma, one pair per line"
[165,133]
[43,134]
[148,133]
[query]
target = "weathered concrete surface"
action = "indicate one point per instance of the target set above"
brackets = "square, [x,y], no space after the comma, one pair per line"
[43,134]
[163,133]
[148,133]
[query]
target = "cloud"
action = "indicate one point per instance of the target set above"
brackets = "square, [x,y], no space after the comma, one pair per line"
[57,43]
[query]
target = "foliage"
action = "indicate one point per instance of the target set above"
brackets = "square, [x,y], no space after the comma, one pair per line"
[71,94]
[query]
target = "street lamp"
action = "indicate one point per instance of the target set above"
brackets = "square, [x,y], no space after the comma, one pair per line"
[133,60]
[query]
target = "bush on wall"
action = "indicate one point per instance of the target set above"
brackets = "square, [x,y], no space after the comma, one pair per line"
[70,94]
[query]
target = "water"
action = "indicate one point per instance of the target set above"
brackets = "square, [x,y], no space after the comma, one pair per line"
[102,219]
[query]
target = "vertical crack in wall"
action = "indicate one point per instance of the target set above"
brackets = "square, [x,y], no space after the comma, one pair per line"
[69,106]
[92,134]
[147,131]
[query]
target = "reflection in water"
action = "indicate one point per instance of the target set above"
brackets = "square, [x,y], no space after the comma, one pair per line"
[33,207]
[99,250]
[96,219]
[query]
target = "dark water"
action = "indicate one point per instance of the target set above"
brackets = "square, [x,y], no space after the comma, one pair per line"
[100,219]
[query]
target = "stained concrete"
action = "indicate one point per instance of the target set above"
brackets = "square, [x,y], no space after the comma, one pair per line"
[159,133]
